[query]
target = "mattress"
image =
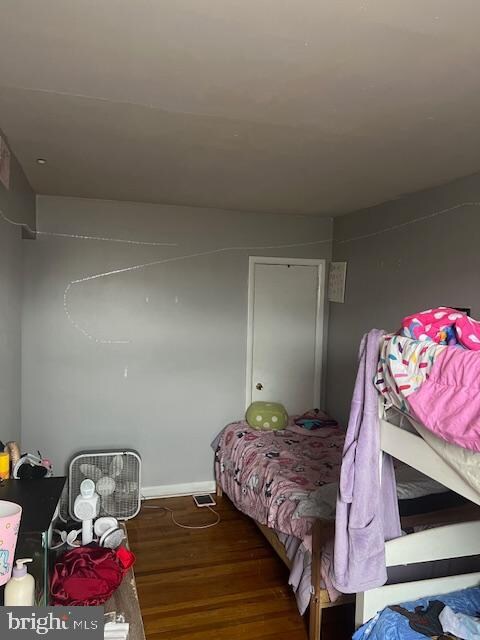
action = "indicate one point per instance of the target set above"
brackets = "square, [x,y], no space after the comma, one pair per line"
[424,618]
[411,485]
[416,494]
[426,382]
[285,480]
[465,462]
[267,474]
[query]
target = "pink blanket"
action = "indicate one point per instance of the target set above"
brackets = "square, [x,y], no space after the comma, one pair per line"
[266,474]
[443,325]
[448,403]
[437,385]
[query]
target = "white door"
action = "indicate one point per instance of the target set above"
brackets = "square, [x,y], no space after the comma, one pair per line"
[285,332]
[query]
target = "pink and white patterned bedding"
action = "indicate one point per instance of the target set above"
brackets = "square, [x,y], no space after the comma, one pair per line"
[404,366]
[443,325]
[437,385]
[275,476]
[267,474]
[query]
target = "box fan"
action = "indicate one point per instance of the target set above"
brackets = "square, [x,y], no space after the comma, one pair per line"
[116,475]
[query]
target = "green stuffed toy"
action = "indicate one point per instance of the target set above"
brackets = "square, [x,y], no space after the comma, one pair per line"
[267,416]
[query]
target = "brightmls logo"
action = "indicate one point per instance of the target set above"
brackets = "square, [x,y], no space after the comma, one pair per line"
[41,626]
[55,623]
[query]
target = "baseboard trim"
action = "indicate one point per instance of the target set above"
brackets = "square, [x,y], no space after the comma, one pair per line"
[173,490]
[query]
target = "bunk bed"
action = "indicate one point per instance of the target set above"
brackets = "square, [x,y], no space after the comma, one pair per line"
[421,378]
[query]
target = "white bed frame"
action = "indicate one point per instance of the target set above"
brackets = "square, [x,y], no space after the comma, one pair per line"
[447,542]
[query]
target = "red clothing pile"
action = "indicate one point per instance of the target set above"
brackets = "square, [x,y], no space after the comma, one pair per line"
[88,576]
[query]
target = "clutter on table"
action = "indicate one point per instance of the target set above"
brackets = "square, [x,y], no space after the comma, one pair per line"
[94,562]
[10,515]
[4,465]
[27,508]
[116,627]
[88,576]
[26,466]
[20,589]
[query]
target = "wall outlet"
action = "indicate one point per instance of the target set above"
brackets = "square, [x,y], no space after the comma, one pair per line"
[337,277]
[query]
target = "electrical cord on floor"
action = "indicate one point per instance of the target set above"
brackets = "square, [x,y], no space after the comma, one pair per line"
[185,526]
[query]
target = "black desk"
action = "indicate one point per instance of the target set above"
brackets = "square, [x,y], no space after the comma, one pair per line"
[38,499]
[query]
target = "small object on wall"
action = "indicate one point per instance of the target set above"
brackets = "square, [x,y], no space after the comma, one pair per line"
[4,164]
[336,281]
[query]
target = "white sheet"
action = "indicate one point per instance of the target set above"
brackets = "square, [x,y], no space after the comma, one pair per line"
[463,461]
[410,484]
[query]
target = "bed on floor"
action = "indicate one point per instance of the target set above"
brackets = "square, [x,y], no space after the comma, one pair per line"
[287,482]
[269,476]
[441,616]
[428,379]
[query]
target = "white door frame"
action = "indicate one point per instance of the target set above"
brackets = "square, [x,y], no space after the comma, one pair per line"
[321,266]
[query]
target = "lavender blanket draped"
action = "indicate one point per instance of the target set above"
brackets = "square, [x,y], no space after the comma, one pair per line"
[367,509]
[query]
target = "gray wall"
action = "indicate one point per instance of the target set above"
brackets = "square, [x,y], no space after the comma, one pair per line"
[182,377]
[432,262]
[16,203]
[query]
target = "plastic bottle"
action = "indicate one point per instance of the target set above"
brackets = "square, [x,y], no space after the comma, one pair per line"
[4,465]
[20,589]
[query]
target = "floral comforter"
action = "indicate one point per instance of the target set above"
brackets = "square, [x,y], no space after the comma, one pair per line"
[267,474]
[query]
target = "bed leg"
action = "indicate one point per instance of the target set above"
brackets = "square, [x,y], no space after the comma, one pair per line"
[315,623]
[315,626]
[219,491]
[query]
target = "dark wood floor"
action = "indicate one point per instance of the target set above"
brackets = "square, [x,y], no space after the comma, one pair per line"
[223,583]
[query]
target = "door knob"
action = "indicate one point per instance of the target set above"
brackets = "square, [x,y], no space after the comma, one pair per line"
[259,386]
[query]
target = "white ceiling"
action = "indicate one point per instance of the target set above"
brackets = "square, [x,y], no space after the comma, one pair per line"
[302,106]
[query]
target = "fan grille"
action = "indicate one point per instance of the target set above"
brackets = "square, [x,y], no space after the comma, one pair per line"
[120,498]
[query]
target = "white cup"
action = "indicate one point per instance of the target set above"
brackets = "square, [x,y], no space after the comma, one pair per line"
[10,515]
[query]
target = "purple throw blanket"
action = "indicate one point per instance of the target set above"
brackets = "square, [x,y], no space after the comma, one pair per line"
[367,509]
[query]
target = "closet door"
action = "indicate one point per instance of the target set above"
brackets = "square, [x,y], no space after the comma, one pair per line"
[285,332]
